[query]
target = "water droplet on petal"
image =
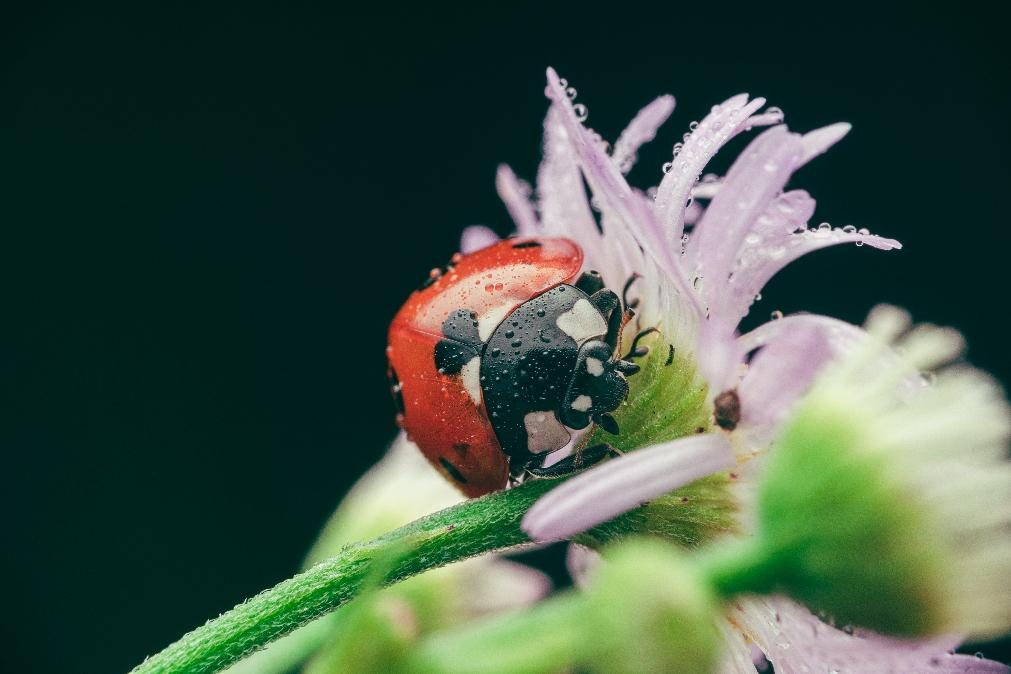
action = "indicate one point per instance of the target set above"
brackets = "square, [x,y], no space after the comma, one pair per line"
[824,227]
[667,167]
[571,92]
[849,229]
[677,148]
[776,315]
[694,125]
[776,112]
[581,112]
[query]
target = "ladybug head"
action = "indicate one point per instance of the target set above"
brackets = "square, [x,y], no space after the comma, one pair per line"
[598,386]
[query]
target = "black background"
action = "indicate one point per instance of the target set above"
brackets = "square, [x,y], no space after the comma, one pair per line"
[209,217]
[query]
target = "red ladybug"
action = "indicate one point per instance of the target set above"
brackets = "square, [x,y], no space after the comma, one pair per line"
[494,360]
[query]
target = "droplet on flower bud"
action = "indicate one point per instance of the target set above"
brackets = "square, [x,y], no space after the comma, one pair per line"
[581,112]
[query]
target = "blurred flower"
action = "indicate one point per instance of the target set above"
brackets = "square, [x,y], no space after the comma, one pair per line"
[886,499]
[647,611]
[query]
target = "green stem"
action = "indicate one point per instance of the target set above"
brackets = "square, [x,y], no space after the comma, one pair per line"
[468,529]
[743,566]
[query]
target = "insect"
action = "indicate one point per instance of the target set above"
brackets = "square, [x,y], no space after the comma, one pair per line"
[495,360]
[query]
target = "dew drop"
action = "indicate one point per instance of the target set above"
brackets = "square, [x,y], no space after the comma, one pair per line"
[776,315]
[677,148]
[571,92]
[693,125]
[667,167]
[824,227]
[581,112]
[775,112]
[849,229]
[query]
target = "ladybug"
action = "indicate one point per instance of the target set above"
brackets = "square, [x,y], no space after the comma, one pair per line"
[496,359]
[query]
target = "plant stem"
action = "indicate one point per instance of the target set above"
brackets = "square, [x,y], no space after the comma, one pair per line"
[470,528]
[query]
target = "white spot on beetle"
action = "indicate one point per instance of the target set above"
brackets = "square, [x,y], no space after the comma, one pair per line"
[582,322]
[486,324]
[471,374]
[582,403]
[595,366]
[544,432]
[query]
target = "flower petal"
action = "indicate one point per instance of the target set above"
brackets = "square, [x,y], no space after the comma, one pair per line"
[619,202]
[476,237]
[796,641]
[564,208]
[779,375]
[778,237]
[515,194]
[753,181]
[640,131]
[820,140]
[621,484]
[581,562]
[712,133]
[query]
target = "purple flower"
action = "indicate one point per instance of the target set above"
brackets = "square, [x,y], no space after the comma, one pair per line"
[699,270]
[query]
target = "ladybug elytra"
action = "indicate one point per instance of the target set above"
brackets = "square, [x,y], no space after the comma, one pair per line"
[496,360]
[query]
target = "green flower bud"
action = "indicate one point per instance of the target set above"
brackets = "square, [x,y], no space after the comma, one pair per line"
[886,500]
[651,612]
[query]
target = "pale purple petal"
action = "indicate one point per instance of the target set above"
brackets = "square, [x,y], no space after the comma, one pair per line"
[796,641]
[500,585]
[693,213]
[761,252]
[738,652]
[640,131]
[719,356]
[780,374]
[762,259]
[476,237]
[753,181]
[606,491]
[842,337]
[627,207]
[820,140]
[515,194]
[581,562]
[712,133]
[564,207]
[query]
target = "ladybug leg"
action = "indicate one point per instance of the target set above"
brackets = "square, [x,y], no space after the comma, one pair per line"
[629,303]
[583,458]
[637,351]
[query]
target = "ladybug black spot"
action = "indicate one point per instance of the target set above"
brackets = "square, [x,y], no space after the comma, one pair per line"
[528,244]
[453,471]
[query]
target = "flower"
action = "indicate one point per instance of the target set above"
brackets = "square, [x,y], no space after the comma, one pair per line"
[698,271]
[886,498]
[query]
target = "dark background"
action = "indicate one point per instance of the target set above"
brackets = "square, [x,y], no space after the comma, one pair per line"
[209,217]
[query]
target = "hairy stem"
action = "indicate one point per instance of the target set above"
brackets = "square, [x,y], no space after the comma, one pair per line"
[470,528]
